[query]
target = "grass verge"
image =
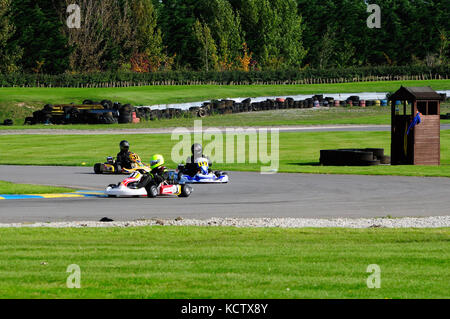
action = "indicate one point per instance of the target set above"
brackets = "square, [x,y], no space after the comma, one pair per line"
[17,103]
[223,262]
[298,151]
[8,188]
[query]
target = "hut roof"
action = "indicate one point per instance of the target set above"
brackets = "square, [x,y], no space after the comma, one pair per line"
[415,93]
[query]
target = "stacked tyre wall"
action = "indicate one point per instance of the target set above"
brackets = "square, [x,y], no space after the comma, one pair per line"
[354,157]
[230,106]
[107,112]
[89,112]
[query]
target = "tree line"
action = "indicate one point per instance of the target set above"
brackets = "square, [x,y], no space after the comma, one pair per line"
[219,35]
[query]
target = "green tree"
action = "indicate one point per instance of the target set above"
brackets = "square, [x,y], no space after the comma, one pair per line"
[9,52]
[38,32]
[225,26]
[177,19]
[144,24]
[273,30]
[207,49]
[410,31]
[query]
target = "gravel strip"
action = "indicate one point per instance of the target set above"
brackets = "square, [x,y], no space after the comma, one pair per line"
[405,222]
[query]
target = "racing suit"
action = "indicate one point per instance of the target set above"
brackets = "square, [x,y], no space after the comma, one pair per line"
[191,167]
[155,177]
[123,159]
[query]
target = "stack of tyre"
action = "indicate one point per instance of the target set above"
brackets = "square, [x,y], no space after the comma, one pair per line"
[8,122]
[354,157]
[109,117]
[226,106]
[117,113]
[41,116]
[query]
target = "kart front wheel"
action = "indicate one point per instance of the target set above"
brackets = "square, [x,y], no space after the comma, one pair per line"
[186,190]
[220,173]
[152,191]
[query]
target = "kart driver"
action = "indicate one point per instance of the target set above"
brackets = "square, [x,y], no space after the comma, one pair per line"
[158,174]
[192,167]
[125,158]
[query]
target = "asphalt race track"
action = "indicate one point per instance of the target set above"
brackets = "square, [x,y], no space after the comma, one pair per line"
[247,195]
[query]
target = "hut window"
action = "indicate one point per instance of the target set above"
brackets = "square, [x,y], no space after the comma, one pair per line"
[422,107]
[432,108]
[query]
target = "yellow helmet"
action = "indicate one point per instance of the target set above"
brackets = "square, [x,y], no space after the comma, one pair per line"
[156,161]
[134,157]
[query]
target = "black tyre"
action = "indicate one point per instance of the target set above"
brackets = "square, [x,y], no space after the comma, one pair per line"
[88,102]
[29,121]
[369,163]
[107,104]
[219,173]
[378,153]
[98,168]
[48,107]
[125,118]
[385,160]
[345,157]
[127,108]
[186,190]
[152,191]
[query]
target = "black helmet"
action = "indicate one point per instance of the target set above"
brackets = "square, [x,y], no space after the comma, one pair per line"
[124,146]
[197,150]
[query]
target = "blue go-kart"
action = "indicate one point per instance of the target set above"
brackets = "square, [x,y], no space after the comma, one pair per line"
[199,172]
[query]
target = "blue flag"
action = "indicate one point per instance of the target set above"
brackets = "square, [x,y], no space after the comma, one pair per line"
[415,121]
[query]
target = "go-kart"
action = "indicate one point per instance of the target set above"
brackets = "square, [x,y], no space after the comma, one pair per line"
[199,172]
[129,188]
[112,167]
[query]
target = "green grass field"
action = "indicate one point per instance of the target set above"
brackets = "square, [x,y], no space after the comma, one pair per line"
[17,103]
[14,188]
[299,152]
[223,262]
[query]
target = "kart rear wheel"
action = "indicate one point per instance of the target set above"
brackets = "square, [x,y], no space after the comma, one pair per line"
[98,168]
[186,190]
[152,191]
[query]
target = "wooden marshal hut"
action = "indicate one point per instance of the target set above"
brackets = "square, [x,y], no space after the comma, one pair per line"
[415,144]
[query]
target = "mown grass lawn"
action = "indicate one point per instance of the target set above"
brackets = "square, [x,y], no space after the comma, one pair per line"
[17,103]
[223,262]
[8,188]
[298,152]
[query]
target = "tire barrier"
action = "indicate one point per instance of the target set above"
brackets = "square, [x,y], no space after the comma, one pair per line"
[108,112]
[7,122]
[89,112]
[354,157]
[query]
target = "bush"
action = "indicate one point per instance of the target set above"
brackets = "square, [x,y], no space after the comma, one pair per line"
[120,79]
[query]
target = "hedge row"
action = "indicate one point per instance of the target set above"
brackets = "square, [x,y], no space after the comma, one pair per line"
[121,79]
